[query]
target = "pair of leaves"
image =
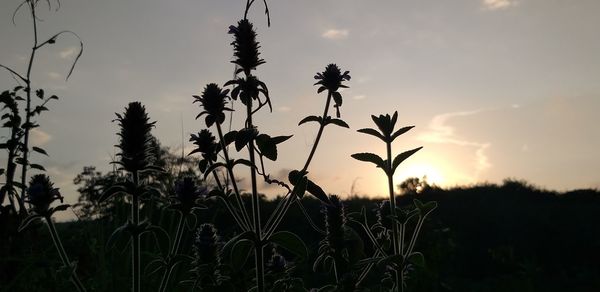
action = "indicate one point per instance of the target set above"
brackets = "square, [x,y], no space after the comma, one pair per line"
[382,136]
[243,244]
[384,164]
[302,184]
[328,120]
[267,145]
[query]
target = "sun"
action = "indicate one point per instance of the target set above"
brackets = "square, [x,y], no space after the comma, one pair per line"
[432,173]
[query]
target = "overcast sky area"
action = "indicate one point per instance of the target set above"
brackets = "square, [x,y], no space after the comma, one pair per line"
[495,88]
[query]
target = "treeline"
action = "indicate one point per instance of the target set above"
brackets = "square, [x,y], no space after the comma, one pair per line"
[487,237]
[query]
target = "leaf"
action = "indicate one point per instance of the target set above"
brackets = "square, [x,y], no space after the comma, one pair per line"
[266,146]
[300,188]
[338,122]
[337,97]
[53,97]
[240,252]
[37,166]
[39,150]
[27,221]
[417,258]
[245,162]
[317,192]
[291,242]
[280,139]
[311,119]
[372,132]
[403,156]
[401,131]
[426,208]
[117,234]
[59,208]
[212,167]
[244,137]
[370,157]
[229,137]
[40,93]
[112,190]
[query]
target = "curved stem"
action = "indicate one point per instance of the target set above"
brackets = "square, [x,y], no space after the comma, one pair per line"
[321,128]
[398,275]
[258,248]
[164,283]
[63,254]
[289,201]
[28,107]
[230,208]
[233,183]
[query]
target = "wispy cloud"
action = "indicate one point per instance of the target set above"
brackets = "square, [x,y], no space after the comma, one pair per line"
[359,97]
[284,109]
[440,131]
[335,34]
[39,137]
[68,52]
[54,75]
[499,4]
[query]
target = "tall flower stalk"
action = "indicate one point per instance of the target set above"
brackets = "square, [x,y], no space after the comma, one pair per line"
[41,194]
[32,110]
[400,253]
[187,194]
[135,157]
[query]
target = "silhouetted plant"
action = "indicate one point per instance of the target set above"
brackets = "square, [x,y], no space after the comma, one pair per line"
[398,259]
[41,194]
[185,201]
[30,110]
[135,157]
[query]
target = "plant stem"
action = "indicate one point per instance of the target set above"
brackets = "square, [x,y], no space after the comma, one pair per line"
[399,278]
[164,283]
[63,254]
[28,108]
[135,214]
[292,198]
[258,247]
[233,183]
[319,133]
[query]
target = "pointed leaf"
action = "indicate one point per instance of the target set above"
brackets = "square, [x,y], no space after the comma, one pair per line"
[417,259]
[27,221]
[311,119]
[338,122]
[240,252]
[401,131]
[370,157]
[403,156]
[39,150]
[372,132]
[291,242]
[280,139]
[37,166]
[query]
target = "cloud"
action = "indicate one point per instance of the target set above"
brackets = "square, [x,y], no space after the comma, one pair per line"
[335,34]
[359,97]
[54,75]
[39,137]
[443,133]
[68,52]
[499,4]
[284,109]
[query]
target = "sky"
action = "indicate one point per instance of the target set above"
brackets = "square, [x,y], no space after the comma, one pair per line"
[496,88]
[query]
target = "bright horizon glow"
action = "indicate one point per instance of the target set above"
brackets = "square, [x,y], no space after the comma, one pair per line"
[431,172]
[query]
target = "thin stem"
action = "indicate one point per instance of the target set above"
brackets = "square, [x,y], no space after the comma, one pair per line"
[321,128]
[63,254]
[164,283]
[288,202]
[258,253]
[135,214]
[398,276]
[28,108]
[233,183]
[230,208]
